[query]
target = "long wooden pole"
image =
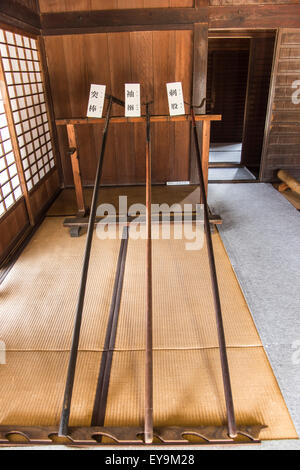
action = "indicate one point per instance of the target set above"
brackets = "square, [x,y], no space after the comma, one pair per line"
[149,333]
[66,409]
[232,430]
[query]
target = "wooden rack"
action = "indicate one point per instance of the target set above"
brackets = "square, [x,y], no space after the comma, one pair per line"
[74,154]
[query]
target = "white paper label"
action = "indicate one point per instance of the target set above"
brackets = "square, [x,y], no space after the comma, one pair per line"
[175,98]
[96,101]
[132,100]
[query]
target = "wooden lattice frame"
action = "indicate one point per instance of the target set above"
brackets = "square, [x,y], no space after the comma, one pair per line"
[23,78]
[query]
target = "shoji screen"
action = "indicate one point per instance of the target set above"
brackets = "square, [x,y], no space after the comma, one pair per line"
[22,70]
[10,190]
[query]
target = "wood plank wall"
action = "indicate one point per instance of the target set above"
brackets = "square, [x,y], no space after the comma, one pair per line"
[282,140]
[12,225]
[55,6]
[16,221]
[249,2]
[32,5]
[149,58]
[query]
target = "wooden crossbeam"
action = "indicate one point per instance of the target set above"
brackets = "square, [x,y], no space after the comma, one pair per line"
[228,16]
[122,119]
[19,11]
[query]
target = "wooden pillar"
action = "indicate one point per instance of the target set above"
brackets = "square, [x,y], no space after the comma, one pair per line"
[199,92]
[201,3]
[205,151]
[49,105]
[76,170]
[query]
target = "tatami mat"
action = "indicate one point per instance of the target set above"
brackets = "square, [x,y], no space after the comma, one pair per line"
[183,309]
[32,387]
[38,300]
[188,390]
[65,204]
[39,296]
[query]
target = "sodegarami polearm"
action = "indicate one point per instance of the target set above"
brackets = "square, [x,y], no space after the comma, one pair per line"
[65,415]
[232,431]
[148,437]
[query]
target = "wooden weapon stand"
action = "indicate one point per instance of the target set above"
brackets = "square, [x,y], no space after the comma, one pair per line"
[76,223]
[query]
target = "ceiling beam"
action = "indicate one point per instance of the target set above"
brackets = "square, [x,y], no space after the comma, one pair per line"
[255,16]
[112,20]
[241,16]
[15,13]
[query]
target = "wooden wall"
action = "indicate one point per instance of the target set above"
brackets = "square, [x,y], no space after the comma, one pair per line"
[16,221]
[12,225]
[249,2]
[282,140]
[55,6]
[52,6]
[32,5]
[149,58]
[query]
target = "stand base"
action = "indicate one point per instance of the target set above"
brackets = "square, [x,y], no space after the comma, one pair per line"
[207,435]
[75,223]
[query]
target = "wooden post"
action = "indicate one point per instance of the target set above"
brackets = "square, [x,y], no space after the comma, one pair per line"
[199,91]
[76,170]
[205,152]
[201,3]
[49,104]
[289,182]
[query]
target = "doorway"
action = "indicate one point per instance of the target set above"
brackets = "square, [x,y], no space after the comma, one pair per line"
[238,79]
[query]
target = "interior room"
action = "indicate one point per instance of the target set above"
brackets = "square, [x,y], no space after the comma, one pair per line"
[149,224]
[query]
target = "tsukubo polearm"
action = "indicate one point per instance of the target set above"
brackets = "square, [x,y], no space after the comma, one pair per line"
[232,430]
[148,428]
[65,415]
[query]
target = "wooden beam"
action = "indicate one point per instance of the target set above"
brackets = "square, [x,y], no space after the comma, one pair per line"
[216,34]
[255,16]
[240,16]
[109,20]
[19,12]
[122,119]
[199,89]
